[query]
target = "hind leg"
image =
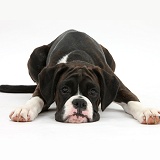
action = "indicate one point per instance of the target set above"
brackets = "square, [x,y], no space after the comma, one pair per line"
[109,58]
[37,61]
[30,110]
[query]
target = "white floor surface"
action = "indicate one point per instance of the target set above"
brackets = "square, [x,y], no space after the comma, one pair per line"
[135,46]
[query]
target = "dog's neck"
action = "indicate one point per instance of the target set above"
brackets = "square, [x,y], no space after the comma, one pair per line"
[76,57]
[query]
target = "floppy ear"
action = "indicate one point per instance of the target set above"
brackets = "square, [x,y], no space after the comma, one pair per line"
[109,86]
[48,79]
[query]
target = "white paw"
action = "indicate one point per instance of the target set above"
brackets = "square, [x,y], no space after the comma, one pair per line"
[23,114]
[148,116]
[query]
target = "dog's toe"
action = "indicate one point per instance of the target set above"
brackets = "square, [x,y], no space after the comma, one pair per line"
[151,116]
[22,115]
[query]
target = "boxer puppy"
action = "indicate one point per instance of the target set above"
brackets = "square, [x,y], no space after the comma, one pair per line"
[76,73]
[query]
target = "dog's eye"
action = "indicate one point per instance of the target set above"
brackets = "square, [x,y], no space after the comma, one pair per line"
[93,92]
[65,90]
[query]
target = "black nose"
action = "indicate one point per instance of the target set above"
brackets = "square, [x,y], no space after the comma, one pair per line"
[79,104]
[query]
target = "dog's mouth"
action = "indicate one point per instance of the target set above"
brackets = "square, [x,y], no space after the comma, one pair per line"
[77,118]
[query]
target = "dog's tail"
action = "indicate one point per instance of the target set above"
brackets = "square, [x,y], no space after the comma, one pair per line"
[17,88]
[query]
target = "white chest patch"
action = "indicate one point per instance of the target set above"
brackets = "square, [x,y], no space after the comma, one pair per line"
[63,59]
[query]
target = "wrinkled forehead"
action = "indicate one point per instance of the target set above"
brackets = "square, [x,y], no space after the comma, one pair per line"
[79,78]
[80,73]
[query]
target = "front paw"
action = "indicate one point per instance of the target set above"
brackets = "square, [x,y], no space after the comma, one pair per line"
[23,114]
[149,116]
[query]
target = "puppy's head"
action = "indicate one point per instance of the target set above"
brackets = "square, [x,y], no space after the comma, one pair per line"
[77,91]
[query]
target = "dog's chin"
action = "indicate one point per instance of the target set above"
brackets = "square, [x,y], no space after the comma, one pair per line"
[77,118]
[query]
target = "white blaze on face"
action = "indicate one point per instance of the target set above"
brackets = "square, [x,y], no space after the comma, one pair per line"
[70,111]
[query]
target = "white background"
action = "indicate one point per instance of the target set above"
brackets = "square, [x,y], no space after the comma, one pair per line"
[130,30]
